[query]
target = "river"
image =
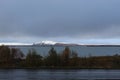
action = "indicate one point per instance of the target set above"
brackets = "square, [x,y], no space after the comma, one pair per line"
[31,74]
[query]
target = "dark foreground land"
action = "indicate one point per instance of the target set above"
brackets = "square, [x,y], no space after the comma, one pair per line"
[12,58]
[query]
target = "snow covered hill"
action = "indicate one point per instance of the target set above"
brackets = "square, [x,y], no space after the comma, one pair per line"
[42,43]
[54,43]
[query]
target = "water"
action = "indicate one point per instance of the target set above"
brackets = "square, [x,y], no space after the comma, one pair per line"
[24,74]
[81,50]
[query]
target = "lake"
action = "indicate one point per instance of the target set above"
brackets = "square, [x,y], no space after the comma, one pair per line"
[28,74]
[81,50]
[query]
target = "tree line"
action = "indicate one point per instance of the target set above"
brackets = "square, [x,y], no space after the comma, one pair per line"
[14,58]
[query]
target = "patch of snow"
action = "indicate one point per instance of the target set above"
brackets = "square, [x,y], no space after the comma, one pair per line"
[46,42]
[49,42]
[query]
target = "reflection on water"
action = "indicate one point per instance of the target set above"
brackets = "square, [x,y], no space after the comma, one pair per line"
[22,74]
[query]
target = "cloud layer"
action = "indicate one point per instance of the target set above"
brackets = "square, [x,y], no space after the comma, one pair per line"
[59,20]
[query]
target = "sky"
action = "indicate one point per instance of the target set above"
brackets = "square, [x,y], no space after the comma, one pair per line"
[72,21]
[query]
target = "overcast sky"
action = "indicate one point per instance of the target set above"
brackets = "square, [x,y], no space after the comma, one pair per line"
[74,21]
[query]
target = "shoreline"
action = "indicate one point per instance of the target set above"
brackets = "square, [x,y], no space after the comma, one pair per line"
[58,68]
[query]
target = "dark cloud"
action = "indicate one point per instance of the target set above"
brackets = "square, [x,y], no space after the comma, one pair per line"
[78,19]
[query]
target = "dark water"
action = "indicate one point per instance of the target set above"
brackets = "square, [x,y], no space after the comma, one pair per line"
[22,74]
[81,50]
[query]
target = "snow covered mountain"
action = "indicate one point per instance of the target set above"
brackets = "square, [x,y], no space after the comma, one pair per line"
[45,43]
[42,43]
[54,43]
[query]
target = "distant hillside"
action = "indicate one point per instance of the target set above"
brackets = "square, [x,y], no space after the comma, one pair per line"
[48,43]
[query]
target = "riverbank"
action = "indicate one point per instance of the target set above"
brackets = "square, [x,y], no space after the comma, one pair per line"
[59,68]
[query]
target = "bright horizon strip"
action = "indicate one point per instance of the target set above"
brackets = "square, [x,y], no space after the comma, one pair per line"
[81,42]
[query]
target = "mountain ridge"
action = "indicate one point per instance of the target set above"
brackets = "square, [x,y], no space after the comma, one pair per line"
[55,43]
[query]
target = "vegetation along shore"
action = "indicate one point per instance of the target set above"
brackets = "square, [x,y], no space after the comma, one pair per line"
[14,58]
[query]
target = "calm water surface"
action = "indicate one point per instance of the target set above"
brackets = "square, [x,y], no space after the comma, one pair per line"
[81,50]
[24,74]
